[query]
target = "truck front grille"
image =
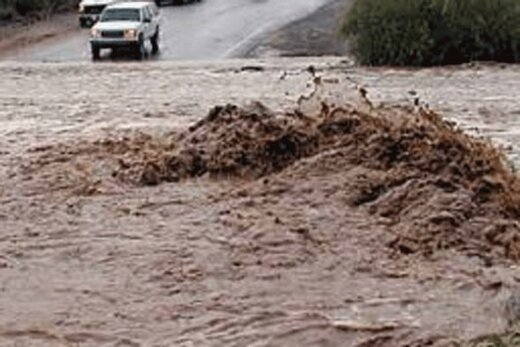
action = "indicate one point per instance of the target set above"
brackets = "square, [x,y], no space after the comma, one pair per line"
[113,34]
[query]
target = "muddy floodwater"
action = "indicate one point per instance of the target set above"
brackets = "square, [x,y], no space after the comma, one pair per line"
[126,221]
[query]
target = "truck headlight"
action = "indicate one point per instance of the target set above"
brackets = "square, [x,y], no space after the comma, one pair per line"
[130,34]
[95,33]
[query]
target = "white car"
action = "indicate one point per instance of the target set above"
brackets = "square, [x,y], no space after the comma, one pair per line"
[178,2]
[90,10]
[126,25]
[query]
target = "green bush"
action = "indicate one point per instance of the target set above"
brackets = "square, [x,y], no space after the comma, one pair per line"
[433,32]
[6,13]
[24,7]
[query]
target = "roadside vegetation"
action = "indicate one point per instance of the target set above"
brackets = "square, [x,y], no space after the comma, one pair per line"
[433,32]
[17,9]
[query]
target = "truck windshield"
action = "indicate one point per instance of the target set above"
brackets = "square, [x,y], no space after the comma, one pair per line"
[121,14]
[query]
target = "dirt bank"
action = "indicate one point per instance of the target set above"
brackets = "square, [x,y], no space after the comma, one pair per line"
[16,36]
[314,35]
[295,246]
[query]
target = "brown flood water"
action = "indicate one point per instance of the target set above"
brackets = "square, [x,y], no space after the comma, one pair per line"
[302,244]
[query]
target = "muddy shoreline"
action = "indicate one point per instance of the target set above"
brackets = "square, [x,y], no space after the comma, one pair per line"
[19,35]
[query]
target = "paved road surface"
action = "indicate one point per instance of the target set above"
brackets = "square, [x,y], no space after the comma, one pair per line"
[212,29]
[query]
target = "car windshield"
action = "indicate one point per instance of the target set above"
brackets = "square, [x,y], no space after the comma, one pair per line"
[121,14]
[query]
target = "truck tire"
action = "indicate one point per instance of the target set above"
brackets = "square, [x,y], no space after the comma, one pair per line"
[140,49]
[154,40]
[96,52]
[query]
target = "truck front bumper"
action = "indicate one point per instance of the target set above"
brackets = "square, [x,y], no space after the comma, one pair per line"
[114,43]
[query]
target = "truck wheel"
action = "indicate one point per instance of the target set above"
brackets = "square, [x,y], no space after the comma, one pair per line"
[96,52]
[155,42]
[140,49]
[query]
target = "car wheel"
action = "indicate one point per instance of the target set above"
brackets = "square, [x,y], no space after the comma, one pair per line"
[155,42]
[96,52]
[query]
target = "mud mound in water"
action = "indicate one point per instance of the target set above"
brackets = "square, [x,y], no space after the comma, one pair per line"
[234,142]
[437,187]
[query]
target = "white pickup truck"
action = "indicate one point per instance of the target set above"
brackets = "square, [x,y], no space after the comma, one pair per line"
[90,10]
[126,25]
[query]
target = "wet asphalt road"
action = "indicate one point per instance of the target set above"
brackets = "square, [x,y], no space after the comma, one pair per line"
[211,29]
